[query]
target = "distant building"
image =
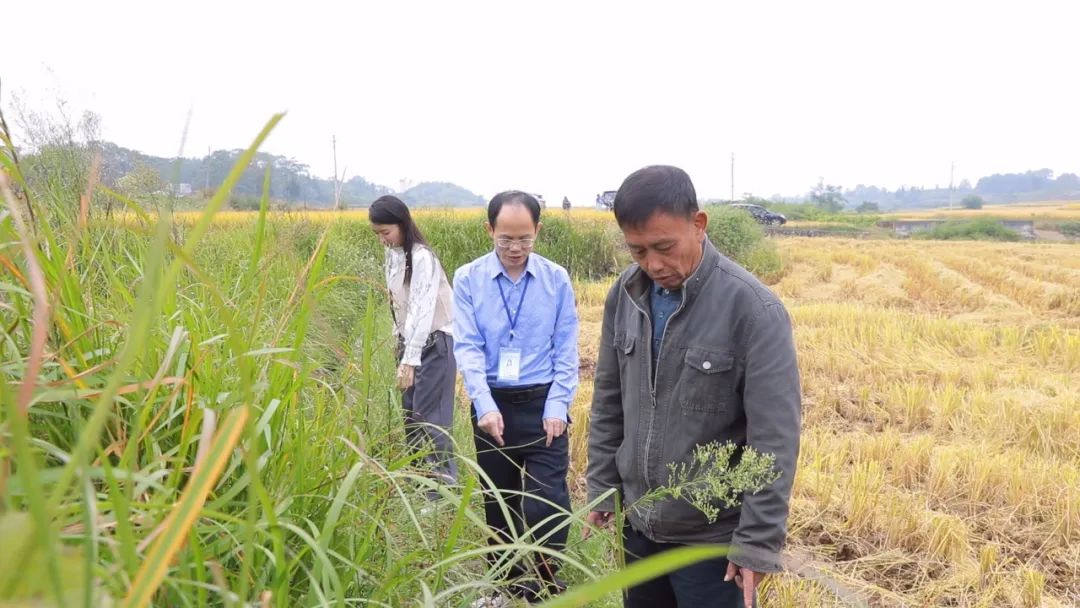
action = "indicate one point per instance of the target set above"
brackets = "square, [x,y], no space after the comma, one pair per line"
[181,189]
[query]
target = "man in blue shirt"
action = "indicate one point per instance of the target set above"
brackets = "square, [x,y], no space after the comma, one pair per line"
[516,332]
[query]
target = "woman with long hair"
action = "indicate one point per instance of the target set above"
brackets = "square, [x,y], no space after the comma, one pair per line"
[422,307]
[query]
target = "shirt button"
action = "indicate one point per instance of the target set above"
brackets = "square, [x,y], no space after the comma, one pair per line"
[706,365]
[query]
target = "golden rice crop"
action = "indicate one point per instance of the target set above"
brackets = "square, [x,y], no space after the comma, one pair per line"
[1056,210]
[940,464]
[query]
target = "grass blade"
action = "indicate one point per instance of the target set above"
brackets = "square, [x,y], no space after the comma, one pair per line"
[638,572]
[180,520]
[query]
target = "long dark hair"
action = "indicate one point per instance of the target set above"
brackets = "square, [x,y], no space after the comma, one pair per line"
[390,210]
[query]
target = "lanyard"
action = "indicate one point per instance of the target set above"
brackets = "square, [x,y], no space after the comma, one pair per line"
[506,306]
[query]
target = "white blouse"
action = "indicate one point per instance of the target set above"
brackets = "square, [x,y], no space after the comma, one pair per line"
[415,304]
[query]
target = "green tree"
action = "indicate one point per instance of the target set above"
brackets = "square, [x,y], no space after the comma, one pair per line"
[867,207]
[141,183]
[972,201]
[1070,229]
[55,153]
[828,198]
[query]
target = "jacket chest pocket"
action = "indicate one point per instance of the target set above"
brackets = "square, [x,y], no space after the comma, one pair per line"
[624,346]
[707,382]
[624,349]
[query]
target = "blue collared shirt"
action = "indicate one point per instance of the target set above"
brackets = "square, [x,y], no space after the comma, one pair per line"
[662,304]
[546,330]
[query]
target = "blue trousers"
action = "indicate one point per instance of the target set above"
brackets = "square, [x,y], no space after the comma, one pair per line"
[699,585]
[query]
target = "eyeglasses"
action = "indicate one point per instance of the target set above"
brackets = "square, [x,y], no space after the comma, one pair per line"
[510,243]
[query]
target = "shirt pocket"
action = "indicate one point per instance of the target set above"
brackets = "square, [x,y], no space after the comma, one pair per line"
[534,332]
[708,380]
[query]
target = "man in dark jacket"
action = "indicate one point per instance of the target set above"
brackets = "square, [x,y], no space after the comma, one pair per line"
[693,350]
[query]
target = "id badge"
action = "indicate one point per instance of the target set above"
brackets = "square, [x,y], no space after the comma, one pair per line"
[509,364]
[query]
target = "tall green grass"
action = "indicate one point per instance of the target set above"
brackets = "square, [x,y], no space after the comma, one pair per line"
[739,237]
[810,212]
[588,248]
[1070,229]
[203,414]
[978,229]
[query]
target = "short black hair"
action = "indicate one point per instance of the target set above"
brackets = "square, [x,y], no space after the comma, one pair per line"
[513,197]
[652,189]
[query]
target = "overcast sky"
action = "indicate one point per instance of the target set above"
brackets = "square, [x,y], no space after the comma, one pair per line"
[567,98]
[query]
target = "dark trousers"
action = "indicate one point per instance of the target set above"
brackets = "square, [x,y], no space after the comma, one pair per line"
[524,463]
[429,406]
[699,585]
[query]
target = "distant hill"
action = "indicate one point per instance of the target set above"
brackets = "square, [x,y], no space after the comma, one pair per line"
[290,180]
[1040,185]
[441,193]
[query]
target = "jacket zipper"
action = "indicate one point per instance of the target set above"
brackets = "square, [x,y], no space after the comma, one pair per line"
[652,391]
[652,377]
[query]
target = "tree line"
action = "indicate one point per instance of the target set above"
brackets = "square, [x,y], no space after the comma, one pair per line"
[1037,185]
[290,180]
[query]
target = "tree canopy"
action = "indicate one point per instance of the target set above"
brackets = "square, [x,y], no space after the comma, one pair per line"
[291,181]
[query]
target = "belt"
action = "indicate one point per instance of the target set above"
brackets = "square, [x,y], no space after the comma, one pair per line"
[428,343]
[520,394]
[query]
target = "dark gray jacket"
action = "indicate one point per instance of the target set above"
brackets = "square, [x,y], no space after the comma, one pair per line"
[726,371]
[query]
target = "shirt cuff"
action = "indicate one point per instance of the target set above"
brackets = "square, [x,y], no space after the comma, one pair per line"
[484,404]
[555,409]
[412,356]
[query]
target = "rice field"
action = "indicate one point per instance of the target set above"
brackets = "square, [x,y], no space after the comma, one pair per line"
[1042,210]
[199,411]
[940,462]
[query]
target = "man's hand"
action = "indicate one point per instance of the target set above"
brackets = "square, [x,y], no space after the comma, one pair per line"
[406,375]
[554,428]
[746,579]
[595,519]
[492,424]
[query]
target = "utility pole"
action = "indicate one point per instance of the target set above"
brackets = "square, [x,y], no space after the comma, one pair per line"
[337,188]
[952,171]
[206,192]
[733,178]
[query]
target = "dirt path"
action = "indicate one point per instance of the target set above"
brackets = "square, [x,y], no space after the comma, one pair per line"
[1050,235]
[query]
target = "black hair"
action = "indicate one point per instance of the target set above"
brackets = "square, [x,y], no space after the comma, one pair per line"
[652,189]
[390,210]
[513,197]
